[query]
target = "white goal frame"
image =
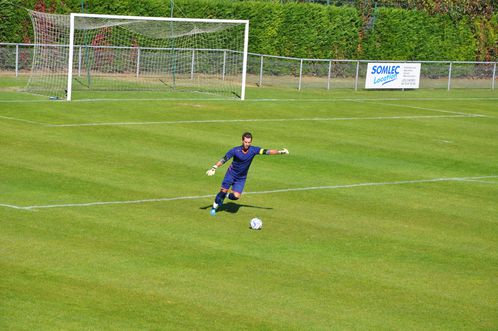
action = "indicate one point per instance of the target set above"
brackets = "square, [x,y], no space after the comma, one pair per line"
[142,18]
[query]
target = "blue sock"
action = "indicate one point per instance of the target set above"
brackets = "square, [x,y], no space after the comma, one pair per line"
[220,197]
[232,196]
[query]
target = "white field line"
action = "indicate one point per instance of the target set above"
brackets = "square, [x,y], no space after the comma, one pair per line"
[254,100]
[242,120]
[422,108]
[22,120]
[266,120]
[480,181]
[285,99]
[11,206]
[271,120]
[463,179]
[100,203]
[28,101]
[372,99]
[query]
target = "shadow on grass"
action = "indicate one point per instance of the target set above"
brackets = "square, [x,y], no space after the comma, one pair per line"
[233,208]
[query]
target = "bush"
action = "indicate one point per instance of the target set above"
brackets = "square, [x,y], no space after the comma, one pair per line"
[398,34]
[309,30]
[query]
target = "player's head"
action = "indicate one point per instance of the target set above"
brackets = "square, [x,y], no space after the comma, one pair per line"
[246,140]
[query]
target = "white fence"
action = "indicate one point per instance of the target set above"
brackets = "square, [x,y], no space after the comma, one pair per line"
[300,73]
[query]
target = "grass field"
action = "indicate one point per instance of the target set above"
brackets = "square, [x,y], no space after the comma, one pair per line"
[384,215]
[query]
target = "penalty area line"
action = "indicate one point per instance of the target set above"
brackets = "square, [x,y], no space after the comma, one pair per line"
[480,181]
[22,120]
[423,108]
[11,206]
[463,179]
[268,120]
[253,100]
[125,202]
[287,99]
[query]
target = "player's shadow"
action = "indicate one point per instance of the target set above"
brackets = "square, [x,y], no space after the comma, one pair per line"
[233,208]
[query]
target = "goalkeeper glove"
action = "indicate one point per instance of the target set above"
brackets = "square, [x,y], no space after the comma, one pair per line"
[283,151]
[212,171]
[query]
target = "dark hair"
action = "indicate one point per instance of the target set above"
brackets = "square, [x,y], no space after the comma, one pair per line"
[247,135]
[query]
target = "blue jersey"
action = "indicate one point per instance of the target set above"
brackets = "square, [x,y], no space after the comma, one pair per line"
[241,160]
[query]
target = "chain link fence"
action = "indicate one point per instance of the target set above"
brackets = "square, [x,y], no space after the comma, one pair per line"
[298,73]
[276,71]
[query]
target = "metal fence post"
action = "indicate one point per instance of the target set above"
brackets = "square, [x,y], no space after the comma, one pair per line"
[356,78]
[79,61]
[17,60]
[328,77]
[224,64]
[192,65]
[494,77]
[403,89]
[261,71]
[449,75]
[300,74]
[138,61]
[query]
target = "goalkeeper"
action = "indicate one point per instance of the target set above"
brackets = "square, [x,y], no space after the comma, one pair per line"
[237,171]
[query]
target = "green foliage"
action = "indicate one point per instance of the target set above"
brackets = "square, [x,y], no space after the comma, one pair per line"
[265,25]
[398,34]
[10,24]
[454,8]
[438,30]
[300,33]
[486,32]
[300,30]
[343,41]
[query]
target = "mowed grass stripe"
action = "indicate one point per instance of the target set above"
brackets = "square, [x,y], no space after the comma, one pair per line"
[169,157]
[100,203]
[414,256]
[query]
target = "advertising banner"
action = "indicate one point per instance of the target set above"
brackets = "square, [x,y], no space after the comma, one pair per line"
[393,76]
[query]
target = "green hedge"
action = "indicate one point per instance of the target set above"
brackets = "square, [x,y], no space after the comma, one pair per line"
[12,17]
[399,34]
[299,30]
[304,29]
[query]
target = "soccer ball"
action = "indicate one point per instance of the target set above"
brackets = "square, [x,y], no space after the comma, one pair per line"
[256,224]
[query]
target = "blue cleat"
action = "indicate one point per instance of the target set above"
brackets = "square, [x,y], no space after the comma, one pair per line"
[213,211]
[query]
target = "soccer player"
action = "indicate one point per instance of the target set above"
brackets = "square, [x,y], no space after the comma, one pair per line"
[237,171]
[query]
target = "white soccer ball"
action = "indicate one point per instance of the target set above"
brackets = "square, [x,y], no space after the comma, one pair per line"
[256,224]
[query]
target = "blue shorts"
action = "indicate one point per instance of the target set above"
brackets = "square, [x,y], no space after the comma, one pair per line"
[236,183]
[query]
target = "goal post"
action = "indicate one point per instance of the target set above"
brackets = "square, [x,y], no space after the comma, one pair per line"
[114,53]
[69,90]
[244,60]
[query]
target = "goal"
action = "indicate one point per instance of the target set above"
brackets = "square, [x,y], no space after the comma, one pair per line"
[91,55]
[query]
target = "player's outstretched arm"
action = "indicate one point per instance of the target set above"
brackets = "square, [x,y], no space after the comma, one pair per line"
[283,151]
[274,151]
[212,171]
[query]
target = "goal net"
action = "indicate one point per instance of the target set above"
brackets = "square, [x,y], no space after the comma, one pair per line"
[82,55]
